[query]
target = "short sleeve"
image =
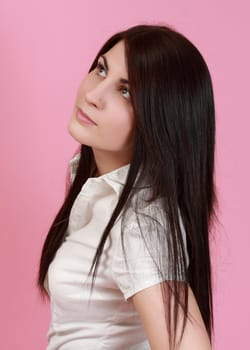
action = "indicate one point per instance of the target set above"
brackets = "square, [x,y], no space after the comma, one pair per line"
[143,257]
[136,270]
[146,259]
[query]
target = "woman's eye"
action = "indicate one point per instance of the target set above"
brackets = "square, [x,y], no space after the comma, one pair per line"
[125,92]
[100,70]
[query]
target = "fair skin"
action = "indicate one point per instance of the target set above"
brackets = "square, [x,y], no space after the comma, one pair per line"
[104,96]
[150,307]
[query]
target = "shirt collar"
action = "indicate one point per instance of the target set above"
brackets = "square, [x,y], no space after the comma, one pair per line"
[116,179]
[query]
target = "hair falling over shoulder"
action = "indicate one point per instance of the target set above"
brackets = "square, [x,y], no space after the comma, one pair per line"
[173,103]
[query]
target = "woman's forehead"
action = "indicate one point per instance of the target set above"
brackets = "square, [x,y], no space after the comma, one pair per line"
[115,60]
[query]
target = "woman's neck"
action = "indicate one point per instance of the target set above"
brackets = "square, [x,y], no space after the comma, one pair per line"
[109,161]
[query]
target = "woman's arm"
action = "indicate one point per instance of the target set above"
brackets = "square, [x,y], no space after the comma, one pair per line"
[149,305]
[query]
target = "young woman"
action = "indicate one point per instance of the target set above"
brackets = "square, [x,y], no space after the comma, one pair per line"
[126,262]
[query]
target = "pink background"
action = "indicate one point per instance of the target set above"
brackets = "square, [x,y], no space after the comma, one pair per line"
[46,48]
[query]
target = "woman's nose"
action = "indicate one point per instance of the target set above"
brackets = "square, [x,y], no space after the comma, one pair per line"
[96,96]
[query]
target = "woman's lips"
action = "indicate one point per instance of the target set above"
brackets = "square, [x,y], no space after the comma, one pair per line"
[81,116]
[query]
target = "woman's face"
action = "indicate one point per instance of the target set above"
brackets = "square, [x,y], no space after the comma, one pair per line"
[103,96]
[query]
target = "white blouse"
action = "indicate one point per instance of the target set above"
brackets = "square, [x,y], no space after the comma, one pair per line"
[106,318]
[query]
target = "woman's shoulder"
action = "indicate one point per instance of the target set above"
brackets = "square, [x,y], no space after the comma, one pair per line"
[148,220]
[143,207]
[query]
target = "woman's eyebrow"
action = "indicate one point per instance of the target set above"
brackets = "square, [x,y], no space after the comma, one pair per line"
[106,66]
[124,81]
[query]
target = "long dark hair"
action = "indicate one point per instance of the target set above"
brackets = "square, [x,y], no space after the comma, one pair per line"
[172,99]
